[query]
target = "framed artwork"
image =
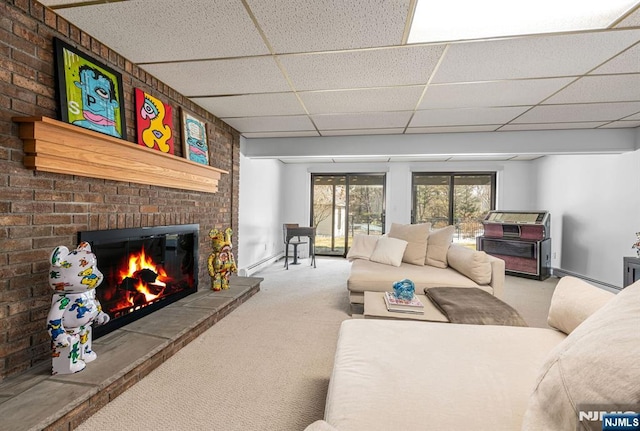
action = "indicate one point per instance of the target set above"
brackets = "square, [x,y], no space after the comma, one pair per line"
[194,132]
[154,122]
[89,92]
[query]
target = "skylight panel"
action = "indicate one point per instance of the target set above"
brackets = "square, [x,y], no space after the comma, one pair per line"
[442,20]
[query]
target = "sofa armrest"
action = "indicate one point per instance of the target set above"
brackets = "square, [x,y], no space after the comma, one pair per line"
[320,425]
[497,276]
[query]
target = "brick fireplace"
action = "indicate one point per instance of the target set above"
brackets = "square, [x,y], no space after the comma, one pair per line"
[144,269]
[41,210]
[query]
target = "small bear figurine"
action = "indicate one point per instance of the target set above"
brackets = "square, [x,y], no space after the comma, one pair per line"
[221,261]
[73,275]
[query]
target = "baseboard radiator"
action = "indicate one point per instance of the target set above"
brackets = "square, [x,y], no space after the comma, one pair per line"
[261,264]
[559,272]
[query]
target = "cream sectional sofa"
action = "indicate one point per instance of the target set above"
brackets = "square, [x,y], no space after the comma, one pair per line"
[426,257]
[408,375]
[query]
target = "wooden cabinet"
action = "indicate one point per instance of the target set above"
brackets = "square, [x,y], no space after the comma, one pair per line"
[631,270]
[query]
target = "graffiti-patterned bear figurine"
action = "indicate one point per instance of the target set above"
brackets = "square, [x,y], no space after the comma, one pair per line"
[73,276]
[221,261]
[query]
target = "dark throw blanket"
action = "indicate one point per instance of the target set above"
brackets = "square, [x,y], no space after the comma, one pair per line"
[474,306]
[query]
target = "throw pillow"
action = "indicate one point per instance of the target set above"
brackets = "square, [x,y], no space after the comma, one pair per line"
[474,264]
[416,237]
[389,251]
[362,246]
[596,365]
[438,244]
[573,301]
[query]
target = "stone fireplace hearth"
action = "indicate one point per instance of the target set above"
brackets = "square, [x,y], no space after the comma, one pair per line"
[36,400]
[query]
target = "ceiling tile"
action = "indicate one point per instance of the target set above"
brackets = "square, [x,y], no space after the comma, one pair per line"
[162,31]
[453,129]
[295,134]
[362,100]
[633,117]
[552,126]
[531,57]
[633,20]
[222,77]
[345,132]
[621,124]
[627,62]
[252,105]
[323,25]
[491,93]
[271,124]
[387,67]
[465,117]
[578,113]
[373,120]
[601,88]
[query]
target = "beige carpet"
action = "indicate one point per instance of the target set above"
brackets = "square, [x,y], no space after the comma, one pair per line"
[266,366]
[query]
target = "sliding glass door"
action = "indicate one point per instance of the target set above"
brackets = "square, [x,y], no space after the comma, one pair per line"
[344,205]
[458,199]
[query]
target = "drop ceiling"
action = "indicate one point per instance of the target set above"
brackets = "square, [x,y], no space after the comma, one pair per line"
[297,68]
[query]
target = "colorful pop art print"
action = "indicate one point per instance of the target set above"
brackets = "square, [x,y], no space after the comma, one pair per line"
[154,122]
[194,137]
[89,92]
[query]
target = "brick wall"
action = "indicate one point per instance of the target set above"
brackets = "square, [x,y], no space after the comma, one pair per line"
[40,210]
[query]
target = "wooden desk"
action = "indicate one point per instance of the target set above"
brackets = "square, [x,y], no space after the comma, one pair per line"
[309,232]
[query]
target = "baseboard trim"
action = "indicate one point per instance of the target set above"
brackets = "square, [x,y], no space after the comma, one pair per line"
[559,272]
[261,264]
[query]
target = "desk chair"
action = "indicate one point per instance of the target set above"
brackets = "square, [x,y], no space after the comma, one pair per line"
[294,243]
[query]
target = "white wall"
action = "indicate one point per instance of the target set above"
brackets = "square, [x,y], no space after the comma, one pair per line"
[594,202]
[260,218]
[273,193]
[515,188]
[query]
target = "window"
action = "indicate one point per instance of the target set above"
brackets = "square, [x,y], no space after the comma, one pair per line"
[458,199]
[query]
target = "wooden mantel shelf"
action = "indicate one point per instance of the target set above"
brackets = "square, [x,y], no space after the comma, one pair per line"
[54,146]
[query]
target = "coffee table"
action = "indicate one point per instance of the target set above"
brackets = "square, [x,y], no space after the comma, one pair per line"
[375,307]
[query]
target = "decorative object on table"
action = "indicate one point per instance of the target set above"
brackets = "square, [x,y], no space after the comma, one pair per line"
[194,138]
[74,276]
[221,262]
[636,245]
[154,122]
[393,303]
[90,93]
[404,289]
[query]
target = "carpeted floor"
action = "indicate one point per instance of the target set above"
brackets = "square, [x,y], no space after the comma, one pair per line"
[266,366]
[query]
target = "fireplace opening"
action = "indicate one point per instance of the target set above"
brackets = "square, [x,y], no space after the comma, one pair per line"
[144,270]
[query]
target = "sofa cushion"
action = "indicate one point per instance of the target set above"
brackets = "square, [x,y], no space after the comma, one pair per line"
[597,365]
[573,301]
[367,275]
[472,263]
[389,251]
[407,375]
[362,247]
[416,237]
[438,244]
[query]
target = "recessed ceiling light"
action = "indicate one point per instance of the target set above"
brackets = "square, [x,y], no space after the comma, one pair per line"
[440,20]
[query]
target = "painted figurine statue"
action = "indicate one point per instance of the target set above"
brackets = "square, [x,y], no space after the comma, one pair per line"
[221,261]
[74,276]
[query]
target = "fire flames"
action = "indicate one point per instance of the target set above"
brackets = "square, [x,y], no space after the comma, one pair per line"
[143,275]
